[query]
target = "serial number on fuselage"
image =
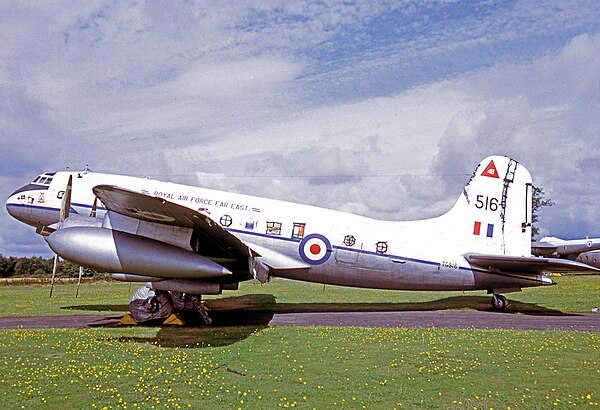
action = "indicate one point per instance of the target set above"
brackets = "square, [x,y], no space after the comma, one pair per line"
[449,265]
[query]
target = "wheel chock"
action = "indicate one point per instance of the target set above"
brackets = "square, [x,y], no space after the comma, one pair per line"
[127,320]
[174,320]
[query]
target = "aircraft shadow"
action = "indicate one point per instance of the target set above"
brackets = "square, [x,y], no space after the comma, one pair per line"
[236,318]
[259,302]
[98,308]
[233,321]
[479,303]
[223,308]
[199,336]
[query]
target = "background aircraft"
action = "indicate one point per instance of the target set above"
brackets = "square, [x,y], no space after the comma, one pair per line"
[582,250]
[187,241]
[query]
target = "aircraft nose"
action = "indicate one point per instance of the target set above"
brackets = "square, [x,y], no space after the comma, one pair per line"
[17,207]
[29,205]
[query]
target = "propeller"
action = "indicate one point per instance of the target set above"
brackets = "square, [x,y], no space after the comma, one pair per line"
[65,207]
[79,280]
[53,273]
[92,215]
[94,206]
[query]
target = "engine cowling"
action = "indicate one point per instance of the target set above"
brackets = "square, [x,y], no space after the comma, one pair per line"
[590,258]
[115,251]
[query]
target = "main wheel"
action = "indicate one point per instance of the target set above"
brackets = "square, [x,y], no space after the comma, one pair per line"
[499,302]
[155,306]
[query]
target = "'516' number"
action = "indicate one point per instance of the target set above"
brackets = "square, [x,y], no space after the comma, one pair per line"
[487,203]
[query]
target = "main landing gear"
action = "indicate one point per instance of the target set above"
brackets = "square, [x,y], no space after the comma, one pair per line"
[499,302]
[148,305]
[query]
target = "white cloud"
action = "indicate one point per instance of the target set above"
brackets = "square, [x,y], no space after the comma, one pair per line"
[230,79]
[427,141]
[533,112]
[388,104]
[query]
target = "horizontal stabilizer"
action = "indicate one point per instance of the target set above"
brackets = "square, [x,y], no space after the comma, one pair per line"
[527,264]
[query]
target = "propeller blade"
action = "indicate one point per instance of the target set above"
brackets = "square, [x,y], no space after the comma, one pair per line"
[53,273]
[66,200]
[94,206]
[79,280]
[65,207]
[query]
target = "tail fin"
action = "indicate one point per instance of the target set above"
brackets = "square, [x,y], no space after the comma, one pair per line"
[493,213]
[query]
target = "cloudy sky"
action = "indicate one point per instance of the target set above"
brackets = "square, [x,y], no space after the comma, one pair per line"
[377,108]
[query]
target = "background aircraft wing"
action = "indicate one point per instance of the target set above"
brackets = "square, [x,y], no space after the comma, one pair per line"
[528,265]
[543,248]
[216,240]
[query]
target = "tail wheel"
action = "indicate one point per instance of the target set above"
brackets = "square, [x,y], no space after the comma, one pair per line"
[499,302]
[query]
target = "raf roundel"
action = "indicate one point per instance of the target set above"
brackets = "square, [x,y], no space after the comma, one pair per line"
[315,249]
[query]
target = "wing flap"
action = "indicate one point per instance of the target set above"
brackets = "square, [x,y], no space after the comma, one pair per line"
[528,265]
[276,260]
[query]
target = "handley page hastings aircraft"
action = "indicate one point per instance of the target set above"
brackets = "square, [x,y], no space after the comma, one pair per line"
[186,241]
[581,250]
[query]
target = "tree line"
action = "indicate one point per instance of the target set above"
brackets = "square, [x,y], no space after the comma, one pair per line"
[11,266]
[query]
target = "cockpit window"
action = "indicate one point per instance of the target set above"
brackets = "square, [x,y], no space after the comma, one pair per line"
[43,180]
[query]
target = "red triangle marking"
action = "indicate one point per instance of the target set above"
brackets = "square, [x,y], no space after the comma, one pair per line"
[490,170]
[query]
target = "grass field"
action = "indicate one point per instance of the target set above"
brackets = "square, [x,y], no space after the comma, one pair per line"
[304,367]
[572,294]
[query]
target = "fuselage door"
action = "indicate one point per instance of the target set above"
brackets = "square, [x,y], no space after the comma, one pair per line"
[350,253]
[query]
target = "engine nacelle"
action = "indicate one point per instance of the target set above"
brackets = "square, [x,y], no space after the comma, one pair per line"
[590,258]
[114,251]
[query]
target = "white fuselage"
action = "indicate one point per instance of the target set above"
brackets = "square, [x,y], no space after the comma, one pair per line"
[343,249]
